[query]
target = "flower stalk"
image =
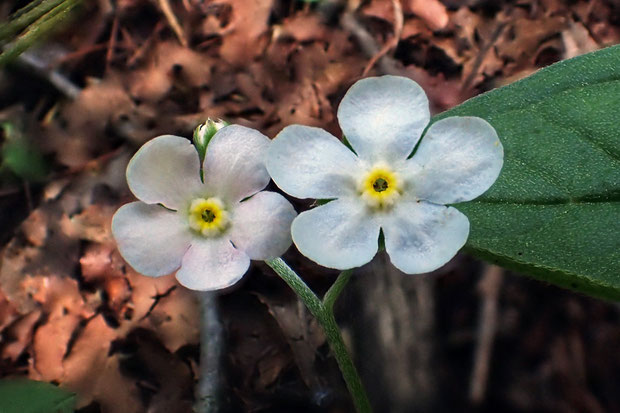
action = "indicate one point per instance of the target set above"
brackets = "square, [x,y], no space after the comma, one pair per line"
[323,311]
[211,338]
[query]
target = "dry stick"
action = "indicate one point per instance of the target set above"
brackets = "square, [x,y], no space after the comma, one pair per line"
[369,46]
[211,342]
[489,288]
[467,84]
[393,42]
[63,84]
[109,56]
[173,21]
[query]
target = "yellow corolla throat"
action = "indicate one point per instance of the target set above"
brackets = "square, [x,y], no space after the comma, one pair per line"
[380,187]
[208,216]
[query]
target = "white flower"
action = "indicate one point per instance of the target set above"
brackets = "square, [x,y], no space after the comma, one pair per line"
[210,230]
[379,187]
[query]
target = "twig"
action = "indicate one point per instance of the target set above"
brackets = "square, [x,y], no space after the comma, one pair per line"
[211,339]
[173,21]
[468,82]
[393,42]
[109,56]
[489,288]
[367,43]
[32,62]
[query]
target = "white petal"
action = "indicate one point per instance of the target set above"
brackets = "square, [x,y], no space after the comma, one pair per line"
[384,117]
[150,238]
[234,163]
[421,237]
[212,264]
[165,170]
[262,225]
[458,159]
[341,234]
[308,162]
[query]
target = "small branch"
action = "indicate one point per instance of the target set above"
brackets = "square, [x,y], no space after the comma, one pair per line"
[109,56]
[40,68]
[367,43]
[211,342]
[173,21]
[393,42]
[469,80]
[489,288]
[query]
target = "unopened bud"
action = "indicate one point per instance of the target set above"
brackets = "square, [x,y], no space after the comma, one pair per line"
[204,133]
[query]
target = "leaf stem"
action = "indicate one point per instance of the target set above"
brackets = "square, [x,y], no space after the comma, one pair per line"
[323,312]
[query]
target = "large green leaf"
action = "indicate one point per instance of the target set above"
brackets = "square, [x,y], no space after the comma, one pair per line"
[27,396]
[554,212]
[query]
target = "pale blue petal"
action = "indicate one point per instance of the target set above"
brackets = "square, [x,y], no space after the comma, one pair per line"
[165,170]
[150,238]
[342,234]
[421,237]
[384,117]
[234,165]
[308,162]
[212,264]
[458,159]
[261,226]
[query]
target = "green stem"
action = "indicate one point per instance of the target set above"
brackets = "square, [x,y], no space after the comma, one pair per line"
[323,312]
[38,29]
[334,291]
[26,16]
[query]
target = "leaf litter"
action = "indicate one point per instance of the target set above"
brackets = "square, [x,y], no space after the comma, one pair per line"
[70,306]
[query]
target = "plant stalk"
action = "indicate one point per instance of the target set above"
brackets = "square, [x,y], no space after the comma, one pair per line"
[323,312]
[211,341]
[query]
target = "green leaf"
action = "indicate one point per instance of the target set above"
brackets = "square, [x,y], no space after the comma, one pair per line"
[27,396]
[20,157]
[554,212]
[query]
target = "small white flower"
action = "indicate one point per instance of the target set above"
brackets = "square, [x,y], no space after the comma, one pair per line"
[210,230]
[381,188]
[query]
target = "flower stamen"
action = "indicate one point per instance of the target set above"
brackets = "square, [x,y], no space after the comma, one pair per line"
[208,216]
[380,187]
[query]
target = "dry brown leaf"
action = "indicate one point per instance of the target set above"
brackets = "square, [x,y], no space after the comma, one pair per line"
[301,332]
[93,224]
[301,28]
[88,356]
[18,335]
[433,12]
[50,346]
[115,392]
[176,319]
[144,290]
[577,41]
[99,261]
[248,24]
[168,65]
[8,312]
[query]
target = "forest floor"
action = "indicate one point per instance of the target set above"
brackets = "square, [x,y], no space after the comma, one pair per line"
[122,72]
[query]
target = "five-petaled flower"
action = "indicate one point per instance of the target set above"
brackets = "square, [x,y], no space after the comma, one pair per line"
[380,187]
[207,230]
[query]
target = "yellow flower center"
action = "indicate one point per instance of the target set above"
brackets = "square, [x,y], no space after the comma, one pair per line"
[208,216]
[380,187]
